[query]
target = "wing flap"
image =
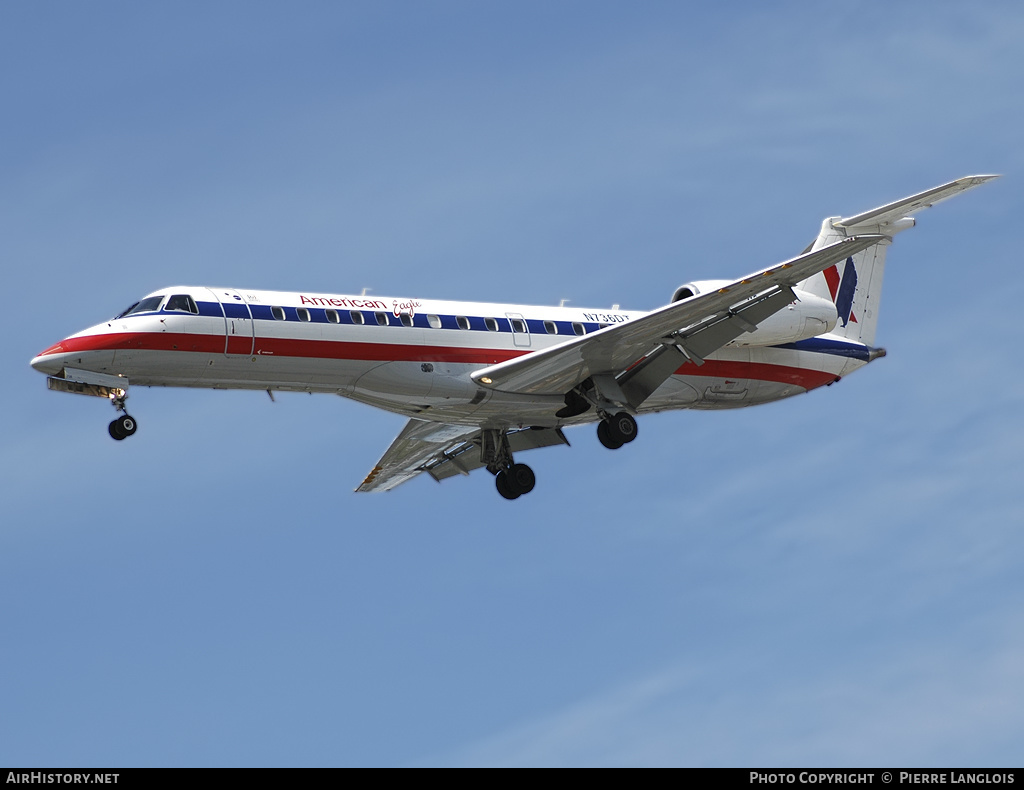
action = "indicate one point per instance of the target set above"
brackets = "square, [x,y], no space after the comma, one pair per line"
[707,321]
[442,451]
[710,335]
[467,458]
[418,443]
[641,380]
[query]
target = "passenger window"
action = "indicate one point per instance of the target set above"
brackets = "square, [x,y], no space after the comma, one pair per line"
[578,328]
[303,314]
[434,322]
[332,316]
[357,317]
[551,327]
[278,313]
[518,325]
[182,302]
[382,318]
[491,324]
[406,319]
[462,321]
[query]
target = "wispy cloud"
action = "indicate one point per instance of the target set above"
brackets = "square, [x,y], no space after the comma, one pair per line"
[953,701]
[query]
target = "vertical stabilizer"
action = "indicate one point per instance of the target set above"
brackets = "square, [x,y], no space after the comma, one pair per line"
[855,285]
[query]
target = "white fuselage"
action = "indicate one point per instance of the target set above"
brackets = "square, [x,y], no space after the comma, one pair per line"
[415,356]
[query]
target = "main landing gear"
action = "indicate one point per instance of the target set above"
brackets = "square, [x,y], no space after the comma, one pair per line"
[616,430]
[603,393]
[123,426]
[515,481]
[511,479]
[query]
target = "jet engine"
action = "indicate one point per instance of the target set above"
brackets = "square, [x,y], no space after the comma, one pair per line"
[807,317]
[697,287]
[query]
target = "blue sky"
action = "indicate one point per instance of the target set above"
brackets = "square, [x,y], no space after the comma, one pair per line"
[831,580]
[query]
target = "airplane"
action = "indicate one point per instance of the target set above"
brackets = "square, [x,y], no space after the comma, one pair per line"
[482,382]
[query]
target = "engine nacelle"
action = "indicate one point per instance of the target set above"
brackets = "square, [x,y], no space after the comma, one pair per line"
[809,316]
[698,287]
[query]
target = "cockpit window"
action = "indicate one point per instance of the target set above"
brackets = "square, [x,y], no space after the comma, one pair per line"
[182,302]
[148,305]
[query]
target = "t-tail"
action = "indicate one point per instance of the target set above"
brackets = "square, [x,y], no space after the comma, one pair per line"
[855,286]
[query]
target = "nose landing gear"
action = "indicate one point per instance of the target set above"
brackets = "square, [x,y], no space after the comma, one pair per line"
[123,426]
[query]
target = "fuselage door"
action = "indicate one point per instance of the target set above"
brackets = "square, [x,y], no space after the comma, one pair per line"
[520,329]
[239,328]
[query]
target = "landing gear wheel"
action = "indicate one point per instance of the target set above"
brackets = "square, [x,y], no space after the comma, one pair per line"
[604,438]
[128,425]
[515,481]
[501,483]
[123,427]
[521,478]
[114,429]
[621,427]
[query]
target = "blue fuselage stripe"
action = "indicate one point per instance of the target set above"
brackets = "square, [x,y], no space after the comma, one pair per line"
[836,348]
[318,315]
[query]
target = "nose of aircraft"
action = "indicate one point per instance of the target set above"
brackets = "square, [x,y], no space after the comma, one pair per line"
[49,361]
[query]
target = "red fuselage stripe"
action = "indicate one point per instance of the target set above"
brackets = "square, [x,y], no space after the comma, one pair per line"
[396,352]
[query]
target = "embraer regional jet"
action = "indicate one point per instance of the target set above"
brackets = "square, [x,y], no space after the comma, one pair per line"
[482,382]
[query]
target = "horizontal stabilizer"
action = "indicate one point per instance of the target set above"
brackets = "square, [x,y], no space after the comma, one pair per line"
[893,212]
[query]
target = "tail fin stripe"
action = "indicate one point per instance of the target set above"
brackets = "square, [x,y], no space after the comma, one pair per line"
[848,287]
[832,278]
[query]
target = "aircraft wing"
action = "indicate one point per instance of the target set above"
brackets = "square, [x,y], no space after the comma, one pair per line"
[443,450]
[697,326]
[419,442]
